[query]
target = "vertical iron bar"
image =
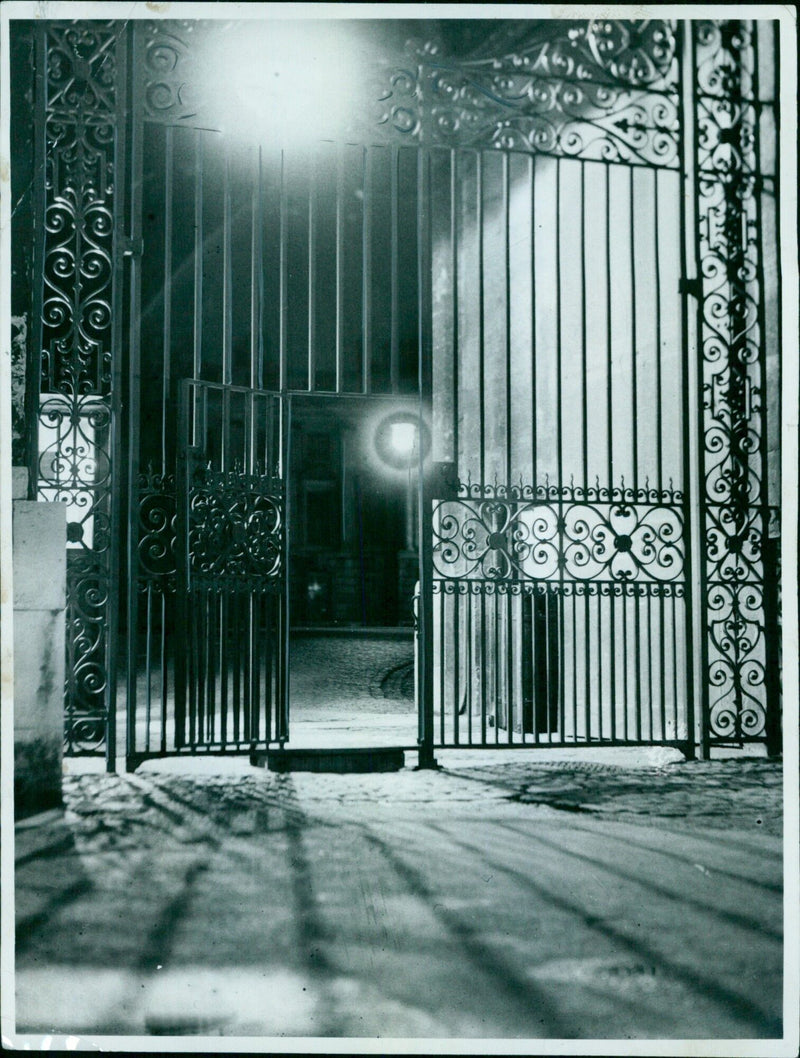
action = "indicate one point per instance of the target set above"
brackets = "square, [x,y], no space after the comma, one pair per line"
[600,661]
[339,266]
[247,682]
[575,664]
[282,674]
[236,662]
[587,615]
[249,456]
[198,253]
[694,508]
[148,661]
[366,272]
[164,676]
[560,474]
[481,324]
[496,667]
[649,598]
[268,604]
[195,676]
[167,324]
[312,271]
[535,662]
[283,280]
[203,697]
[257,645]
[638,655]
[227,270]
[226,460]
[134,406]
[183,611]
[222,666]
[532,180]
[770,546]
[482,664]
[442,663]
[113,633]
[470,661]
[511,624]
[609,344]
[266,667]
[673,608]
[584,351]
[634,380]
[256,272]
[425,491]
[507,293]
[659,395]
[559,406]
[625,654]
[456,662]
[662,667]
[454,265]
[394,352]
[211,712]
[612,658]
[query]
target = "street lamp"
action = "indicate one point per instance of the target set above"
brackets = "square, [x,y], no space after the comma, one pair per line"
[401,441]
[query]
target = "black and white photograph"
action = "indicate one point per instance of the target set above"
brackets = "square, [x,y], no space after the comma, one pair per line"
[398,528]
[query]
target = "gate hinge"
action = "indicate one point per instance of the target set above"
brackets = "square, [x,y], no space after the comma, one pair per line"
[132,247]
[693,287]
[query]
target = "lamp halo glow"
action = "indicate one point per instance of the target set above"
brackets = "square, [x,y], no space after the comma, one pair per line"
[284,82]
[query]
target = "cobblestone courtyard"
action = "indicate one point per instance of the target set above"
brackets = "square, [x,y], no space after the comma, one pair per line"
[505,898]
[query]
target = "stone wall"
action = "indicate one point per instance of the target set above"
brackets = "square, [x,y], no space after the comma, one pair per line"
[39,555]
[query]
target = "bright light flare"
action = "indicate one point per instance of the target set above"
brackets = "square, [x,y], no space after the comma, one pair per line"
[285,83]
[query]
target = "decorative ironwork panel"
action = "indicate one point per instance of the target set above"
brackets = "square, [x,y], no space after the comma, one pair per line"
[167,64]
[80,132]
[77,108]
[596,89]
[87,686]
[574,534]
[235,531]
[157,529]
[727,187]
[487,587]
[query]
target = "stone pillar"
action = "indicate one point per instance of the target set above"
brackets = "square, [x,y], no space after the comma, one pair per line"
[39,556]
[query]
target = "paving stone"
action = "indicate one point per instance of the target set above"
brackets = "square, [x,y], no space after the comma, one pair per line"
[526,899]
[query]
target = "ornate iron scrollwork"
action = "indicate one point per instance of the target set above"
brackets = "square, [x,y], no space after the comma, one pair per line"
[598,89]
[235,531]
[506,535]
[167,63]
[73,333]
[157,530]
[87,648]
[728,173]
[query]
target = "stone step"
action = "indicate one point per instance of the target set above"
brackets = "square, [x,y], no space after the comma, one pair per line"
[343,761]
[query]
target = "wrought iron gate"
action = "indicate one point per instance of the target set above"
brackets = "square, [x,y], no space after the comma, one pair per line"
[584,224]
[231,631]
[289,287]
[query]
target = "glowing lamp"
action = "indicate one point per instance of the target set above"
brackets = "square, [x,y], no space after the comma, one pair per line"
[402,438]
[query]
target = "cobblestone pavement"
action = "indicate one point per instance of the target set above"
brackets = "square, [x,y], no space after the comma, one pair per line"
[518,899]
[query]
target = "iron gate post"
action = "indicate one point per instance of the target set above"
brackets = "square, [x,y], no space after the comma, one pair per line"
[424,690]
